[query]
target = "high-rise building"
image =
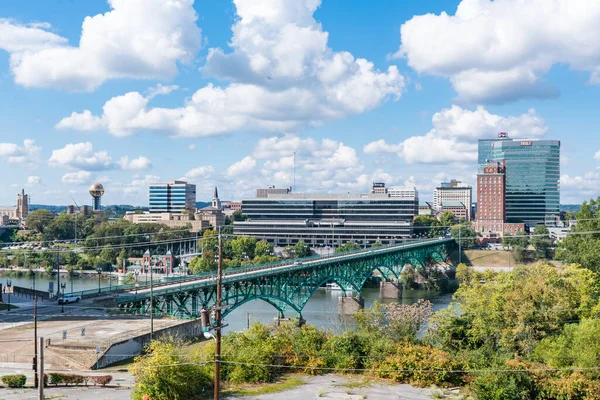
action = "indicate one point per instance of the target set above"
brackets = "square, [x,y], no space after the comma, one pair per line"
[453,192]
[330,219]
[22,210]
[491,205]
[532,191]
[172,197]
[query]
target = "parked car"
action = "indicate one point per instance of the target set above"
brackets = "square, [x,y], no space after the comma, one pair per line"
[69,298]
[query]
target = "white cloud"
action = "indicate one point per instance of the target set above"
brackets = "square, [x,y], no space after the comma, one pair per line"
[199,172]
[27,154]
[192,146]
[161,90]
[454,134]
[500,50]
[80,156]
[136,164]
[77,178]
[244,166]
[283,76]
[34,180]
[597,155]
[140,39]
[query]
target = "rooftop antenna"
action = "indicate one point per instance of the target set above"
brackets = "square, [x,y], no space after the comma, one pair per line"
[294,186]
[78,211]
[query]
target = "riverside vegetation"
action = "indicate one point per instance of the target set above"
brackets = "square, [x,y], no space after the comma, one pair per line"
[526,334]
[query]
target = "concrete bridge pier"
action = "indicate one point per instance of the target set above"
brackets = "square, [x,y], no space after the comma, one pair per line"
[390,290]
[348,305]
[279,319]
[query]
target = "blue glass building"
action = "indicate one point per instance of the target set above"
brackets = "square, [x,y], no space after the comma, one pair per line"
[532,193]
[173,197]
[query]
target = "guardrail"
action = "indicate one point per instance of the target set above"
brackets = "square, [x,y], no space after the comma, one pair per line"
[255,270]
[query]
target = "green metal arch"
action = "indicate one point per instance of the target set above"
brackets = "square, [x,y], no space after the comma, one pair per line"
[265,297]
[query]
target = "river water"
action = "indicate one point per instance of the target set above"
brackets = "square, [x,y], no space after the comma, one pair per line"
[320,311]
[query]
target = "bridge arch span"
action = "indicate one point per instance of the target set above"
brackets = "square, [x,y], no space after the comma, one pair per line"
[272,300]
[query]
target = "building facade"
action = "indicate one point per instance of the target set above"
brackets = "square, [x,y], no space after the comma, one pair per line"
[458,209]
[328,219]
[169,219]
[532,192]
[172,197]
[453,192]
[264,193]
[491,203]
[18,212]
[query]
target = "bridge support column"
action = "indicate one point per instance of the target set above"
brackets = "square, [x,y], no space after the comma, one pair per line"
[279,320]
[350,305]
[390,290]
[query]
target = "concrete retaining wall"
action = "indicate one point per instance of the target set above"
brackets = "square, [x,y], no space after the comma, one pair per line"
[26,292]
[132,347]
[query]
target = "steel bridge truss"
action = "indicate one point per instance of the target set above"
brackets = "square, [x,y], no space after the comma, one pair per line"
[287,288]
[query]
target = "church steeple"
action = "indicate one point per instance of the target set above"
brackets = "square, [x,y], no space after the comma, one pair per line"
[216,203]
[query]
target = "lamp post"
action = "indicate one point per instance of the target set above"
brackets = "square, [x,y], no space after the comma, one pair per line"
[71,279]
[8,285]
[62,303]
[99,271]
[152,302]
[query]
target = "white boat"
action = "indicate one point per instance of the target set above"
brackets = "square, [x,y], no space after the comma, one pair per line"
[332,286]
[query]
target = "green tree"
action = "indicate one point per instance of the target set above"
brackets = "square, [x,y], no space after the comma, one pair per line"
[448,219]
[263,248]
[167,372]
[206,263]
[581,247]
[210,240]
[518,253]
[463,273]
[376,244]
[466,236]
[541,241]
[348,246]
[108,254]
[238,216]
[38,220]
[301,249]
[243,247]
[427,226]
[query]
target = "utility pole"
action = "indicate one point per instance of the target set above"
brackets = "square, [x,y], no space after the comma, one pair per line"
[41,371]
[151,299]
[218,320]
[459,245]
[35,339]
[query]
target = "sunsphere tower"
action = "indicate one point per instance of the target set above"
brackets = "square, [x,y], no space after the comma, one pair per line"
[96,190]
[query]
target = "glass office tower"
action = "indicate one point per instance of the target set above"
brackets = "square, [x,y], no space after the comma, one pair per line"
[173,197]
[532,193]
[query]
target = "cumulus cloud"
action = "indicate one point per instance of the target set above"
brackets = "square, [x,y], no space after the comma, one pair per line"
[34,180]
[199,172]
[454,132]
[136,164]
[77,178]
[139,39]
[496,51]
[80,156]
[597,155]
[283,76]
[244,166]
[27,154]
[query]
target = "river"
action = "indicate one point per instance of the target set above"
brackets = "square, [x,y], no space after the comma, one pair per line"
[320,311]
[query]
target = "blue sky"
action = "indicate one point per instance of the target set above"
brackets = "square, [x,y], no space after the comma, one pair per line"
[223,93]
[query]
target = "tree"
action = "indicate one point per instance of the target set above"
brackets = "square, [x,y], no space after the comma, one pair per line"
[206,263]
[348,246]
[581,247]
[301,249]
[518,253]
[466,236]
[238,216]
[263,248]
[167,372]
[210,240]
[447,219]
[463,273]
[427,226]
[541,241]
[243,247]
[376,244]
[38,220]
[108,254]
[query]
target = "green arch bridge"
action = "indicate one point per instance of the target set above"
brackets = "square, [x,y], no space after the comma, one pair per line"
[288,284]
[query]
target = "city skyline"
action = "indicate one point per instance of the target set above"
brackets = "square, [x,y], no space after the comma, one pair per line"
[368,96]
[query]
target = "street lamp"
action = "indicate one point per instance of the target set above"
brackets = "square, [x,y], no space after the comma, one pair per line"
[8,285]
[62,303]
[71,279]
[136,273]
[99,271]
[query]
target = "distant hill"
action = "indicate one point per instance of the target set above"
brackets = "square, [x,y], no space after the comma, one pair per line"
[55,209]
[570,207]
[202,204]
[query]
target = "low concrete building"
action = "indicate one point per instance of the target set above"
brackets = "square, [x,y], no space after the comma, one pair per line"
[169,219]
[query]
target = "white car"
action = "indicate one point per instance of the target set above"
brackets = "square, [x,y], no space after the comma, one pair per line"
[69,298]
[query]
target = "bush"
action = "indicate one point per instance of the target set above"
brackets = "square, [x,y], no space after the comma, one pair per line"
[14,381]
[57,378]
[517,385]
[101,380]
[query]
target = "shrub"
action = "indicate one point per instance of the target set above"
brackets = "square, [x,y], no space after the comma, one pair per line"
[102,380]
[57,378]
[514,385]
[14,381]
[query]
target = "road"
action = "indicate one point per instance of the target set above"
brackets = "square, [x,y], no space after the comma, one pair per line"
[212,278]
